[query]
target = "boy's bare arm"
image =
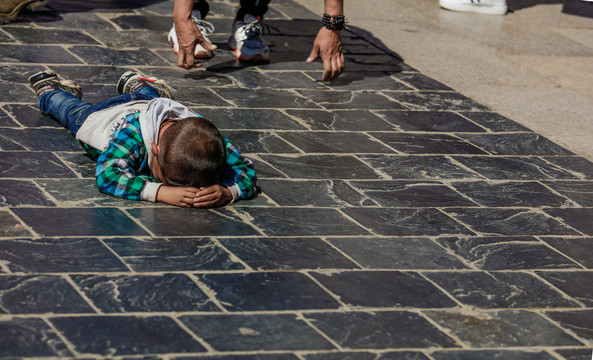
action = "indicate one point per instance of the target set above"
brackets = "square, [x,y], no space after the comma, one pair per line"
[178,196]
[212,196]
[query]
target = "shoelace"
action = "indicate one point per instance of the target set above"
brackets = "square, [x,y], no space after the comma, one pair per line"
[204,26]
[255,29]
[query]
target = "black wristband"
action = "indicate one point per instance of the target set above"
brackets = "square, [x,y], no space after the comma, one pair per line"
[335,22]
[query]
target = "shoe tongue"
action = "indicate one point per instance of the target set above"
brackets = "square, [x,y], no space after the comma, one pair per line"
[249,18]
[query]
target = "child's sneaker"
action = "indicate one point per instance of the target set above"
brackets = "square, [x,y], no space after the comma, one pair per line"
[131,81]
[48,80]
[492,7]
[205,28]
[246,40]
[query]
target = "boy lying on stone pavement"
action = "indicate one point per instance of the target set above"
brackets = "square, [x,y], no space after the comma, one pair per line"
[148,146]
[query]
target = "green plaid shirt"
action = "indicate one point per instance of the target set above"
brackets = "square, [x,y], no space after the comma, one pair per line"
[122,170]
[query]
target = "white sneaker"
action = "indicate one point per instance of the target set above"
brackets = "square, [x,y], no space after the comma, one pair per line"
[205,28]
[492,7]
[246,40]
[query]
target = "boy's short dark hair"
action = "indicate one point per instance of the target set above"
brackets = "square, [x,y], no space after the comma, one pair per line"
[192,153]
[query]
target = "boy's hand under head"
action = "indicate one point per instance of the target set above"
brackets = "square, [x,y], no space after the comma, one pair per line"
[212,196]
[204,197]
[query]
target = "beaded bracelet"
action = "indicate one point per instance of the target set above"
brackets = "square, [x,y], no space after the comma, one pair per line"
[333,22]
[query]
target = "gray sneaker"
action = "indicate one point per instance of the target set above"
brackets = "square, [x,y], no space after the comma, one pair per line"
[131,81]
[47,80]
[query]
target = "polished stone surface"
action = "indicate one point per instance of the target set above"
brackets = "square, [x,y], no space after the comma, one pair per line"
[398,219]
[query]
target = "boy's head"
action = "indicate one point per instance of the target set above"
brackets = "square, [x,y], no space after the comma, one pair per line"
[190,152]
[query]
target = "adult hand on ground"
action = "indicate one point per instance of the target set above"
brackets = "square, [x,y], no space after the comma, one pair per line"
[212,196]
[328,45]
[188,34]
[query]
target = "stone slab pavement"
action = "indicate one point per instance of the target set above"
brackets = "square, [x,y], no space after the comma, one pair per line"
[399,219]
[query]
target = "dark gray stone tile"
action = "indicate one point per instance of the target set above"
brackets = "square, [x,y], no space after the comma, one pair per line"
[16,164]
[494,122]
[376,80]
[384,289]
[579,167]
[427,143]
[43,36]
[491,355]
[176,254]
[9,226]
[199,96]
[100,56]
[125,335]
[318,193]
[169,221]
[510,328]
[17,192]
[279,253]
[320,167]
[418,167]
[579,322]
[340,120]
[500,221]
[30,116]
[507,253]
[30,337]
[420,81]
[79,221]
[30,54]
[355,100]
[577,218]
[16,93]
[256,332]
[406,222]
[574,283]
[93,75]
[380,330]
[6,121]
[288,221]
[275,79]
[580,192]
[499,290]
[84,193]
[575,354]
[395,355]
[79,162]
[575,248]
[39,295]
[155,23]
[249,119]
[395,193]
[431,101]
[335,142]
[259,142]
[66,16]
[41,139]
[514,168]
[53,255]
[13,73]
[508,194]
[131,39]
[397,253]
[373,62]
[264,98]
[433,121]
[270,291]
[144,293]
[516,144]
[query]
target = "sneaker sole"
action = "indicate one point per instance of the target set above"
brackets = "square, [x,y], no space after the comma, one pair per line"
[473,8]
[257,57]
[40,76]
[31,4]
[121,83]
[160,85]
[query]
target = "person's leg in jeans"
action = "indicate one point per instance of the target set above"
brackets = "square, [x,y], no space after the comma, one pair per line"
[71,112]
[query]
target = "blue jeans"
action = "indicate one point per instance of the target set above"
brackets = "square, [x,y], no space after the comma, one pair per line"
[71,112]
